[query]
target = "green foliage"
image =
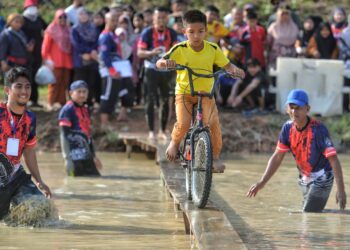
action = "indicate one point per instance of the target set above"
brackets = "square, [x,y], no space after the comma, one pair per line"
[304,8]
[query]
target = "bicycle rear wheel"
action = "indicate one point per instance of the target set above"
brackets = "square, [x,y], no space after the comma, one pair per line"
[202,169]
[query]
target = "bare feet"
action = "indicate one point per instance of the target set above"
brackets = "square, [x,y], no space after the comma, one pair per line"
[171,151]
[123,115]
[162,136]
[218,166]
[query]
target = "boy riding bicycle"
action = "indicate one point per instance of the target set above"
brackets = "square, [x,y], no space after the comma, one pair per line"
[201,56]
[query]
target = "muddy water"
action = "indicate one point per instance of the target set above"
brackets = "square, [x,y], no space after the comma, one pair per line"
[126,209]
[273,219]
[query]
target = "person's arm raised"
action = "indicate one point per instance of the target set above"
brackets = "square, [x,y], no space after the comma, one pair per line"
[272,166]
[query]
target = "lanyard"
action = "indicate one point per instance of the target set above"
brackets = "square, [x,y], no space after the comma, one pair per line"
[12,122]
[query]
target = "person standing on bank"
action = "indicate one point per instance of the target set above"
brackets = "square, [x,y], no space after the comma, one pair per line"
[84,39]
[56,52]
[153,44]
[34,27]
[316,157]
[18,137]
[15,48]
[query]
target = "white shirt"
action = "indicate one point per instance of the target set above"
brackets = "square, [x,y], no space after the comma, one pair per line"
[72,14]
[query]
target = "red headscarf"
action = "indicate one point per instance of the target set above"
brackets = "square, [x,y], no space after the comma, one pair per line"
[59,33]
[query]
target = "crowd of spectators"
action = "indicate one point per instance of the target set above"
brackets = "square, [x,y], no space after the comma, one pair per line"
[74,46]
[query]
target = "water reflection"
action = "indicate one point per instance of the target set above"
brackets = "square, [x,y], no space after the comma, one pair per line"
[273,219]
[127,208]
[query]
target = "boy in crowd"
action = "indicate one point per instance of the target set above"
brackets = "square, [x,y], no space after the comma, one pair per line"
[18,137]
[196,53]
[252,88]
[215,29]
[75,134]
[314,153]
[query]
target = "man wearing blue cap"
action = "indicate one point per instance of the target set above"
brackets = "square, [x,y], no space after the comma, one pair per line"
[75,133]
[313,151]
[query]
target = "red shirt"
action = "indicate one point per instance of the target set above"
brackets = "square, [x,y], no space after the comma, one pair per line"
[23,129]
[51,51]
[256,43]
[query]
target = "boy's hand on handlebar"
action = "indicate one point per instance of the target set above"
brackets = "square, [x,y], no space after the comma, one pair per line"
[170,64]
[167,64]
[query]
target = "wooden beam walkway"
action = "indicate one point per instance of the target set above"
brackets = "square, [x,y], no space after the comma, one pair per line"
[209,227]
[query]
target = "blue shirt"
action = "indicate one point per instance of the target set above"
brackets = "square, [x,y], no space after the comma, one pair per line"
[108,48]
[81,46]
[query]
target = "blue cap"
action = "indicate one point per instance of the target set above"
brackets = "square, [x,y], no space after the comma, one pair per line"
[298,97]
[78,84]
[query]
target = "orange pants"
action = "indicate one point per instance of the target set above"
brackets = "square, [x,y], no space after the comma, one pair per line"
[183,108]
[57,92]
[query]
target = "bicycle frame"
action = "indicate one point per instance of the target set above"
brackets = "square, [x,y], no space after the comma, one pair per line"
[199,127]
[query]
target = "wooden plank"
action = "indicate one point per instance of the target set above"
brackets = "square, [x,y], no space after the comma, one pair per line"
[210,226]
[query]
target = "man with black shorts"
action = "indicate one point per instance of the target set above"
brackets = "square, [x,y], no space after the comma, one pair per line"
[153,44]
[17,137]
[113,85]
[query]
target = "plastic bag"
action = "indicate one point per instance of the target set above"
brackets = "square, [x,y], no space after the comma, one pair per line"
[44,76]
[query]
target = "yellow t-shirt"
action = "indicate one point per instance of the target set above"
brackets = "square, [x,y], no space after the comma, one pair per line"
[201,62]
[216,31]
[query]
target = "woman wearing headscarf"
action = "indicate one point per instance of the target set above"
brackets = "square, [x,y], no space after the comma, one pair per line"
[282,35]
[323,44]
[56,52]
[338,21]
[305,35]
[84,38]
[15,48]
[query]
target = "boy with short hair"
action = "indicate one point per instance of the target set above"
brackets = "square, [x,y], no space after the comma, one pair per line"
[196,53]
[251,88]
[75,134]
[215,29]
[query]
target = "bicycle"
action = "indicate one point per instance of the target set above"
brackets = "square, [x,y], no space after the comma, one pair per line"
[195,150]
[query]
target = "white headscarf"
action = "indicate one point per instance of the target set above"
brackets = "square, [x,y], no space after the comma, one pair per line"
[31,13]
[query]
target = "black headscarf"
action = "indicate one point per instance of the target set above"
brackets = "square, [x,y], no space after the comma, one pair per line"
[325,45]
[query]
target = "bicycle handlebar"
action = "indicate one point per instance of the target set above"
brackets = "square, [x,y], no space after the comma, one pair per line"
[191,72]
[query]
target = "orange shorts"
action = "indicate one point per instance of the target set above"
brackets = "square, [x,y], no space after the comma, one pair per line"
[183,108]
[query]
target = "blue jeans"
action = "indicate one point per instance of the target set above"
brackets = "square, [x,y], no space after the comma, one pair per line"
[15,192]
[316,192]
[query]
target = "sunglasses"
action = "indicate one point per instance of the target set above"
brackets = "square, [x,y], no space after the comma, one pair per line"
[63,17]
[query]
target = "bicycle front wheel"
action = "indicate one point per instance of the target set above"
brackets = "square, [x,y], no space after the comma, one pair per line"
[202,169]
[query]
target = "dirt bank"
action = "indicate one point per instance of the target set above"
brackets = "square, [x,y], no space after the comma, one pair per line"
[257,134]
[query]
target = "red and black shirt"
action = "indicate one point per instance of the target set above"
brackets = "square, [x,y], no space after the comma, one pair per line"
[21,127]
[75,117]
[310,146]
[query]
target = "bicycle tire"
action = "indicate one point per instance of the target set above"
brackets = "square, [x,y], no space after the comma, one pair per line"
[202,169]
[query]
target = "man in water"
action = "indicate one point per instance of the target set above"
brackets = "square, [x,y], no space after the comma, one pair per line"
[316,158]
[17,137]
